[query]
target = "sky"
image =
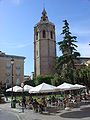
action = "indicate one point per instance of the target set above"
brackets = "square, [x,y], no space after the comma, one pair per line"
[18,17]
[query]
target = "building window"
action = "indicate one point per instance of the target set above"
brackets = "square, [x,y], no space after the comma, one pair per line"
[8,65]
[7,74]
[17,70]
[18,74]
[8,69]
[36,35]
[44,34]
[17,66]
[18,81]
[51,35]
[7,82]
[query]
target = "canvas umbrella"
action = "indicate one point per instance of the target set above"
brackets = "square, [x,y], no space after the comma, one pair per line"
[42,88]
[77,86]
[64,87]
[27,88]
[15,89]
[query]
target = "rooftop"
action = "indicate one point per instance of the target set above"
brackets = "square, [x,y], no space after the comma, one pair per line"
[2,54]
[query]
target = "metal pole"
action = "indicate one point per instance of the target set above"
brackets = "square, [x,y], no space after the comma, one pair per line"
[12,82]
[22,99]
[12,63]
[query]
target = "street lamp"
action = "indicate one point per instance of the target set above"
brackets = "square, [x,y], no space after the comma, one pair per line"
[22,85]
[12,63]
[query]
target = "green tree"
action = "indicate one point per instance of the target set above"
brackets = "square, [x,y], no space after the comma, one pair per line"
[69,52]
[43,78]
[30,82]
[56,80]
[84,75]
[88,75]
[76,74]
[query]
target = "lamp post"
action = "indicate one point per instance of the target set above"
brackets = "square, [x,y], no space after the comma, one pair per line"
[22,85]
[12,63]
[7,81]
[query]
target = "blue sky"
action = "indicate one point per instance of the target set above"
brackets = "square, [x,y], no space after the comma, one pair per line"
[18,17]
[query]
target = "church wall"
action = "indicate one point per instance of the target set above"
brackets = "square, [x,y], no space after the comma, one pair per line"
[44,65]
[38,66]
[44,48]
[52,48]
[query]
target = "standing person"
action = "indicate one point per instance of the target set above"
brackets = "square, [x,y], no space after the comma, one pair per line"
[40,105]
[35,105]
[44,104]
[65,102]
[30,100]
[24,102]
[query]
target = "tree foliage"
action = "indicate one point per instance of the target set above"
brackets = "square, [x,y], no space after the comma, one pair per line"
[69,52]
[30,82]
[56,80]
[82,75]
[43,78]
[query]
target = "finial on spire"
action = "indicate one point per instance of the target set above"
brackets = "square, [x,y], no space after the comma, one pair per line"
[44,15]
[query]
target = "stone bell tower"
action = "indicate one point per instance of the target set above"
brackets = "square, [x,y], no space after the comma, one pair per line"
[44,46]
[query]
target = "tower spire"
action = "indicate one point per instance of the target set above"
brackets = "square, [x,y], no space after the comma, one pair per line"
[44,15]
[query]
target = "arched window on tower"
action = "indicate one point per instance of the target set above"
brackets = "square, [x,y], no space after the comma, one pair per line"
[44,34]
[51,35]
[36,35]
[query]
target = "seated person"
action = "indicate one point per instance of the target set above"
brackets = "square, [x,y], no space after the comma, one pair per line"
[61,98]
[53,100]
[49,100]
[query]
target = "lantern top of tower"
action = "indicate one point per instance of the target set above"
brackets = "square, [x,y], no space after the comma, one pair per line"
[44,15]
[44,19]
[44,12]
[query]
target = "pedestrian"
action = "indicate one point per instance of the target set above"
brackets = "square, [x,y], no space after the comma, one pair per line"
[35,105]
[24,102]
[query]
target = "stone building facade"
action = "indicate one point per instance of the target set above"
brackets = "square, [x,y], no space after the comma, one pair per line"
[44,46]
[6,69]
[82,61]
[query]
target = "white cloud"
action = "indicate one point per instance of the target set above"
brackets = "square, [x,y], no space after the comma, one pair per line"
[78,31]
[23,45]
[16,45]
[81,32]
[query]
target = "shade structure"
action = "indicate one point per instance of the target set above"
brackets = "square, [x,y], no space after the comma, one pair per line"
[27,88]
[64,87]
[42,88]
[77,86]
[15,89]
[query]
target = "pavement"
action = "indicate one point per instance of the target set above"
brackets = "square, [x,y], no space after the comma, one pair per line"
[79,113]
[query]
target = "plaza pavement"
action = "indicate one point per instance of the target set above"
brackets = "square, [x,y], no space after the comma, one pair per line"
[81,113]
